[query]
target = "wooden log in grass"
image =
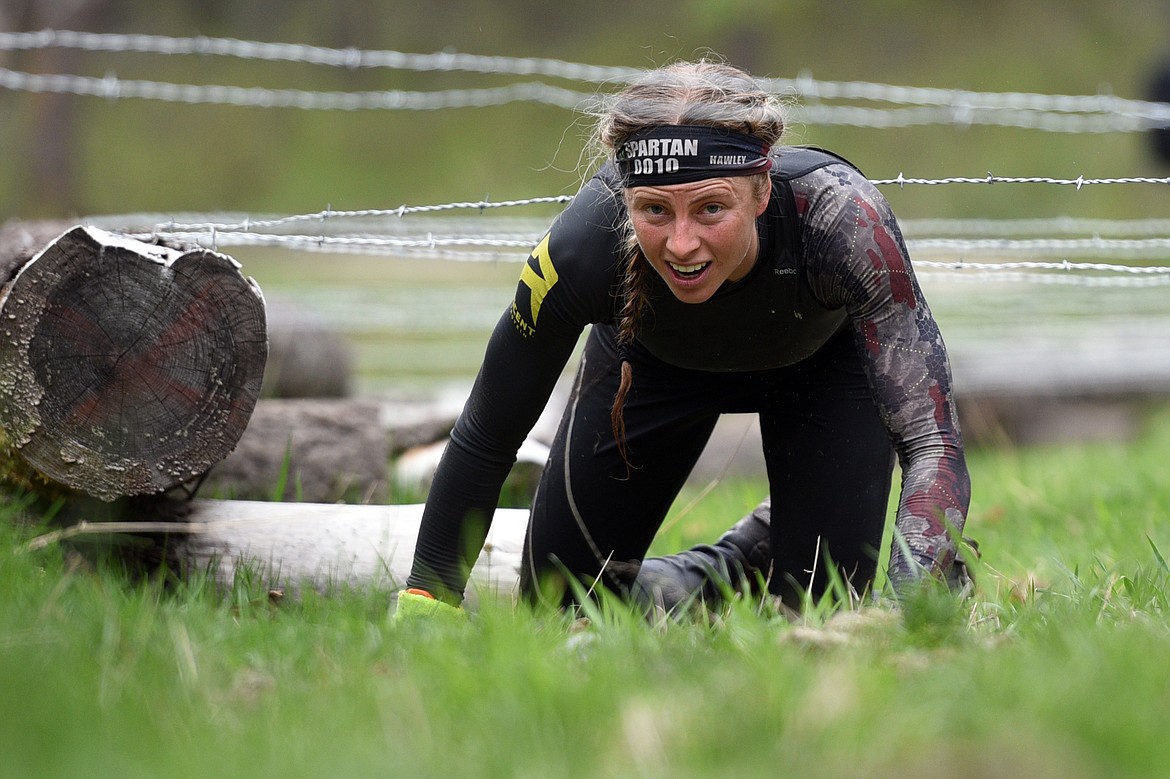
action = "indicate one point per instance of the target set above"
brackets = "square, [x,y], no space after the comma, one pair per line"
[328,545]
[293,545]
[127,368]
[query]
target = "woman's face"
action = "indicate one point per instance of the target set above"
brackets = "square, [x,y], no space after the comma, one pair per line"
[698,235]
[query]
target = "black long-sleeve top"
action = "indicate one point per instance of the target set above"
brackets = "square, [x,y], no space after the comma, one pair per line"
[831,256]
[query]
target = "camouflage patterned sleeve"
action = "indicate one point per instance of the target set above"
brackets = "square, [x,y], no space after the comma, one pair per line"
[856,258]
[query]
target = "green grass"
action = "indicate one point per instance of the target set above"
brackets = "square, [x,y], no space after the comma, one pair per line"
[1056,667]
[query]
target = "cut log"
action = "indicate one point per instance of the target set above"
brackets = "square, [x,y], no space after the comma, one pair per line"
[127,368]
[308,357]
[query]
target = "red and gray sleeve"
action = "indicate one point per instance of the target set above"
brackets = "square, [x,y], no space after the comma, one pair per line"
[856,258]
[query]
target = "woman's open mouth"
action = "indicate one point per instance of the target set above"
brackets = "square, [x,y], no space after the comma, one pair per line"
[688,271]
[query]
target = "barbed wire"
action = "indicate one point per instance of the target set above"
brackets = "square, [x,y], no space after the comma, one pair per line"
[113,88]
[1096,267]
[990,178]
[1134,249]
[1093,226]
[1068,113]
[212,238]
[435,231]
[1099,113]
[467,248]
[351,58]
[922,227]
[961,115]
[1056,225]
[348,58]
[329,214]
[977,276]
[810,88]
[495,239]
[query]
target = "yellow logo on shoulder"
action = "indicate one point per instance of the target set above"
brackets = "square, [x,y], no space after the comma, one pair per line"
[538,285]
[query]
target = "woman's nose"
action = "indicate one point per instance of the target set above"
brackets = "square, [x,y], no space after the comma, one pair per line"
[683,239]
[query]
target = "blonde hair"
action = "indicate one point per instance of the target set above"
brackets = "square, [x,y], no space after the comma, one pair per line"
[692,93]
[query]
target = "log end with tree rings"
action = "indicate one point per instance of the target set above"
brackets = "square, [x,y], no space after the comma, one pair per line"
[127,368]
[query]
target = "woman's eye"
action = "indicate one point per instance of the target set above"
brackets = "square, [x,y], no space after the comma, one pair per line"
[712,208]
[653,209]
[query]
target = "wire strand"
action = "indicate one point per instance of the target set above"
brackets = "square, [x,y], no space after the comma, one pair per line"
[1099,113]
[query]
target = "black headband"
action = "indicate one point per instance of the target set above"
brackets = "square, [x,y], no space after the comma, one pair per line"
[677,154]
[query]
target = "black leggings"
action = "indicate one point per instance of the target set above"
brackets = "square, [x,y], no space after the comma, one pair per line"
[828,456]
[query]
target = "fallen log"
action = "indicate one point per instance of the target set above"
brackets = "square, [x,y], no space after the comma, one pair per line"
[296,545]
[312,450]
[127,368]
[293,545]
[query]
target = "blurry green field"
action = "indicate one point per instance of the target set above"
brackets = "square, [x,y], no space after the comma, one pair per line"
[1055,668]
